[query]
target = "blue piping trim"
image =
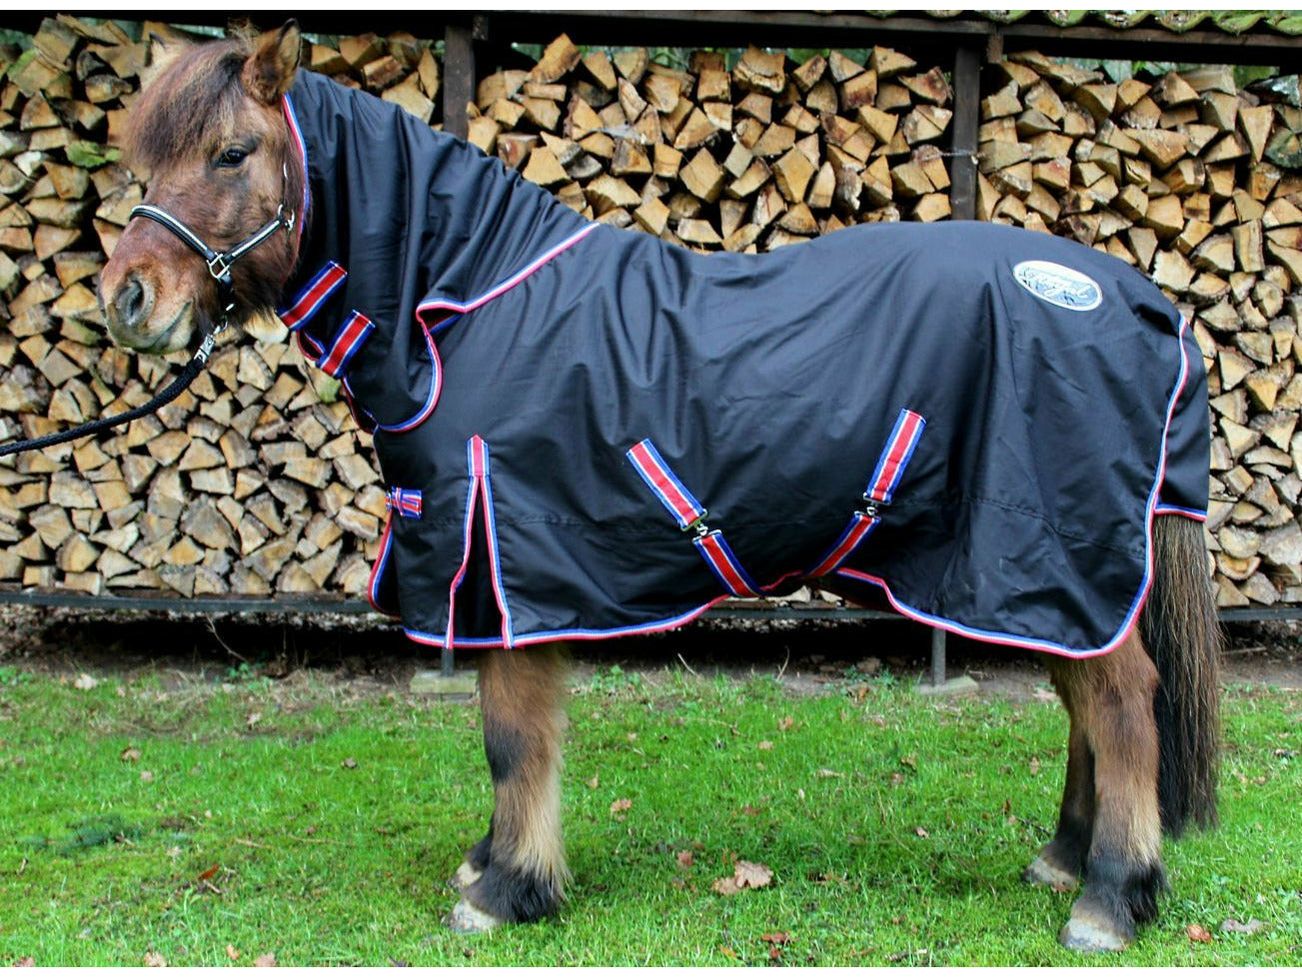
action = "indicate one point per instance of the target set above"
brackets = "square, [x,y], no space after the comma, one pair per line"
[435,386]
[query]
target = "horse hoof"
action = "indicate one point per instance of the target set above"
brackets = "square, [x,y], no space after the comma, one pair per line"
[1041,872]
[466,875]
[465,918]
[1091,936]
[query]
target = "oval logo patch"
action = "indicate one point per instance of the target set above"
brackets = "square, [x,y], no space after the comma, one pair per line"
[1059,285]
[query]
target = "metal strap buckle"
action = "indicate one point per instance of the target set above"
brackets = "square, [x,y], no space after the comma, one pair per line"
[219,266]
[872,507]
[698,524]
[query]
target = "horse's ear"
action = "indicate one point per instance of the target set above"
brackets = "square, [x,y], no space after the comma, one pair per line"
[162,52]
[270,69]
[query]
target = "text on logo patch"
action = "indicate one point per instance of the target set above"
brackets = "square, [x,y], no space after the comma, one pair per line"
[1059,285]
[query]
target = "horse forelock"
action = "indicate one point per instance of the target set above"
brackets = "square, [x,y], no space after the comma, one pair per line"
[192,102]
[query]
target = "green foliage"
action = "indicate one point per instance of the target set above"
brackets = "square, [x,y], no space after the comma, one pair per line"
[85,833]
[91,155]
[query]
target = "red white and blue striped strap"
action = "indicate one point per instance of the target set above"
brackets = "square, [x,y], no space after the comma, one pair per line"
[405,502]
[899,449]
[861,524]
[723,561]
[672,493]
[345,345]
[690,514]
[313,295]
[881,489]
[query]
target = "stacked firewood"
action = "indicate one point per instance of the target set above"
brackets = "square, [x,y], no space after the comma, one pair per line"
[256,480]
[767,153]
[1188,178]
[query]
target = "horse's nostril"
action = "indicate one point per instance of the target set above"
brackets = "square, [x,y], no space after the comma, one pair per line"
[131,303]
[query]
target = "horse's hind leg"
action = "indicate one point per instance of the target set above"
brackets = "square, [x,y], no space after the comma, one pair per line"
[1114,744]
[517,871]
[1061,862]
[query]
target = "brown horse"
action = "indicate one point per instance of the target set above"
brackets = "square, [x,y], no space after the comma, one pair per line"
[1143,742]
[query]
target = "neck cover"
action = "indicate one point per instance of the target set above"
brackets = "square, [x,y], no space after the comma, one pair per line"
[588,433]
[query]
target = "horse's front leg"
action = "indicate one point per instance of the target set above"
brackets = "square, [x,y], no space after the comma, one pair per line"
[516,873]
[1114,749]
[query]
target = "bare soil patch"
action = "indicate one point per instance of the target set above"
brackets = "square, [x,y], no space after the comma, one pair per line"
[371,656]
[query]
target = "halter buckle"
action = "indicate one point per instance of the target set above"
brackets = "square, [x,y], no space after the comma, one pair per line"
[219,266]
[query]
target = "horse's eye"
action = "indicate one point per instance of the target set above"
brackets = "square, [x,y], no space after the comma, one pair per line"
[232,157]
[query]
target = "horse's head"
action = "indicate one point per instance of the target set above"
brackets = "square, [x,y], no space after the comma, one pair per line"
[210,132]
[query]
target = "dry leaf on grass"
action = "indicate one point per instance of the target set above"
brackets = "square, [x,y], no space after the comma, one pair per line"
[595,782]
[153,959]
[685,859]
[231,952]
[26,962]
[620,806]
[349,764]
[266,960]
[85,682]
[778,938]
[129,755]
[1197,933]
[921,832]
[766,744]
[147,776]
[785,723]
[752,875]
[745,875]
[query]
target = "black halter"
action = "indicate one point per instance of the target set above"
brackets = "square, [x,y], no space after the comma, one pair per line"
[219,262]
[219,266]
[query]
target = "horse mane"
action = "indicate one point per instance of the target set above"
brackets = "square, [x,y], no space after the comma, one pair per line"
[195,95]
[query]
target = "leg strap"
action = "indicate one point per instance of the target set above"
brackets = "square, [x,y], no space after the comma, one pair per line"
[690,515]
[885,479]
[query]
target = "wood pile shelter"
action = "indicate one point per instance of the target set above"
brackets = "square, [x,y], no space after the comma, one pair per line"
[1130,132]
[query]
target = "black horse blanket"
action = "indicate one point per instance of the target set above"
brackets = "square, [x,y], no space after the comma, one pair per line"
[588,433]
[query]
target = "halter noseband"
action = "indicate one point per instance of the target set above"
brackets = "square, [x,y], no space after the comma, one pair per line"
[219,262]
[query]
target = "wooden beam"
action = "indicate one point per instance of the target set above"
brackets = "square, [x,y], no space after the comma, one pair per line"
[967,112]
[458,77]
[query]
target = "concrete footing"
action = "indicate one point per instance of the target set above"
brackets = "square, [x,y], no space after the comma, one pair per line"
[431,681]
[960,685]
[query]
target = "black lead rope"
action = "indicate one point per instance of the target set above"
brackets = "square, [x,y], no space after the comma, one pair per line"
[164,396]
[219,266]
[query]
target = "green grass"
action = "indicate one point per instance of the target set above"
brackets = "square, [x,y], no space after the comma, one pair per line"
[298,820]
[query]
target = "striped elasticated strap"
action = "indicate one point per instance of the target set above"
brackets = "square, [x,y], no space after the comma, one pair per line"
[885,480]
[346,343]
[689,513]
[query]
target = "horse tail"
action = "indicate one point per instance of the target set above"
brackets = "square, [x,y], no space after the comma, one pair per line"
[1181,633]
